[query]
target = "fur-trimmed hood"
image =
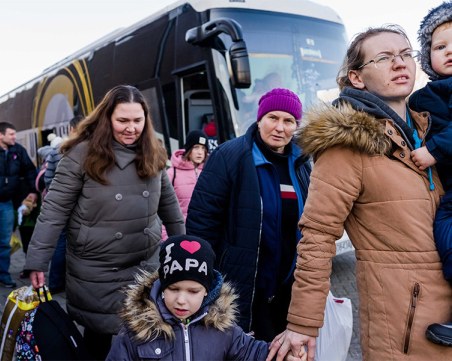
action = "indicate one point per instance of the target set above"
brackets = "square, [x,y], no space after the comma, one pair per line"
[327,126]
[143,308]
[435,17]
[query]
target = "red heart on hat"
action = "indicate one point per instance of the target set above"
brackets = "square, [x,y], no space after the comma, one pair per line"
[191,247]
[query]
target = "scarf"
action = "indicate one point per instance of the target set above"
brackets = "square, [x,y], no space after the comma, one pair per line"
[369,103]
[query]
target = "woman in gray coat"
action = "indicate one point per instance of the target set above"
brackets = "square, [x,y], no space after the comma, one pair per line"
[111,191]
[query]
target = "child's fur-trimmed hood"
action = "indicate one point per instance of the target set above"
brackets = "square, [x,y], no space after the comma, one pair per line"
[435,17]
[141,315]
[326,126]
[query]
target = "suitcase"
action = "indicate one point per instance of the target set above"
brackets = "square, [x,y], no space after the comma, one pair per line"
[50,334]
[19,304]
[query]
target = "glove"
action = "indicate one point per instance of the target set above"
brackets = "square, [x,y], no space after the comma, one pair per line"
[20,213]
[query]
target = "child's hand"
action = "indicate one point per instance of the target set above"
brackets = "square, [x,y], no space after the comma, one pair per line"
[29,203]
[422,158]
[302,356]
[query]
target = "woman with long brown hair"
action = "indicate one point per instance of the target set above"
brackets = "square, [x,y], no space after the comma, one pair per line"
[111,189]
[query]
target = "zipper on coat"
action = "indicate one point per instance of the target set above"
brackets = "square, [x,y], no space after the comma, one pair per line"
[411,312]
[196,173]
[255,272]
[186,342]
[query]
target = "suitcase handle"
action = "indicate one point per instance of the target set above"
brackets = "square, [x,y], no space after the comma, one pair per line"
[44,294]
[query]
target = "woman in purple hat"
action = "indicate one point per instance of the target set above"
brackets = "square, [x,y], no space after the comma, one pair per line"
[247,202]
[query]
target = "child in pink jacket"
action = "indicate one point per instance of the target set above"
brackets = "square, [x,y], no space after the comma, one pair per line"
[186,166]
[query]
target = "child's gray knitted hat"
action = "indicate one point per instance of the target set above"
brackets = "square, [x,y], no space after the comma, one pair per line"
[435,17]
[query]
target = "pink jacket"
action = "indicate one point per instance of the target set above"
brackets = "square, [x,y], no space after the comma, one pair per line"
[183,176]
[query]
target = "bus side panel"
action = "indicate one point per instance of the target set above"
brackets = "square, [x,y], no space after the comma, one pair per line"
[18,110]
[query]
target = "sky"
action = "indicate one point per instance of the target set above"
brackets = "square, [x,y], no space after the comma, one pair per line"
[37,34]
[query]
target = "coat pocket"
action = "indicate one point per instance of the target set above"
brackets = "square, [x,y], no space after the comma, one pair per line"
[411,313]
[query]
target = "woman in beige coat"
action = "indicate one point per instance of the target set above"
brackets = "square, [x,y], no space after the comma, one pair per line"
[365,182]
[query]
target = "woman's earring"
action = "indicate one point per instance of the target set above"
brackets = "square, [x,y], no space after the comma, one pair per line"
[163,296]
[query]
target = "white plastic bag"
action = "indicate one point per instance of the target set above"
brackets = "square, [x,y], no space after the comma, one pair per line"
[334,337]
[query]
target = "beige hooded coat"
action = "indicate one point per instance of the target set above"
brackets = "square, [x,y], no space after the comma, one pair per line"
[364,181]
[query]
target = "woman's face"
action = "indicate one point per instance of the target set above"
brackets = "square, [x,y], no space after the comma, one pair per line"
[276,129]
[391,81]
[197,154]
[127,122]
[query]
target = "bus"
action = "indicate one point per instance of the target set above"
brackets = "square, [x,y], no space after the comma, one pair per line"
[197,62]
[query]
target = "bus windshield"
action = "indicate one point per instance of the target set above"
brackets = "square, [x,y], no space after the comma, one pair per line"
[291,51]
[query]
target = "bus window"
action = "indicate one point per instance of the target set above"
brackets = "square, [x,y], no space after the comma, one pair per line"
[197,105]
[196,99]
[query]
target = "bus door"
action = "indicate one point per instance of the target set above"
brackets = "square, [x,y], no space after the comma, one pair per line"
[152,92]
[197,106]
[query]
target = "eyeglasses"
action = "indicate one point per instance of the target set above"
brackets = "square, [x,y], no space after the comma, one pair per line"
[386,59]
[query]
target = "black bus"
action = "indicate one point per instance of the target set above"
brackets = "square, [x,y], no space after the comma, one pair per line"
[197,62]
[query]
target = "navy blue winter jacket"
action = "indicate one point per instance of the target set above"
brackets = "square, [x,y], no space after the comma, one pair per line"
[16,165]
[225,209]
[151,332]
[436,98]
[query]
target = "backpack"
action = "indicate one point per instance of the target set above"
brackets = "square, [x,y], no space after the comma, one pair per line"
[39,180]
[48,333]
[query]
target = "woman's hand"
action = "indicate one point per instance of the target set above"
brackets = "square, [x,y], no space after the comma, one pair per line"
[37,279]
[294,342]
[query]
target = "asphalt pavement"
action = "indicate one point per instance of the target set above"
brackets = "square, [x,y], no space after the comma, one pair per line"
[343,284]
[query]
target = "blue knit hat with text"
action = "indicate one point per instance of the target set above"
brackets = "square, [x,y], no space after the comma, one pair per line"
[280,99]
[435,17]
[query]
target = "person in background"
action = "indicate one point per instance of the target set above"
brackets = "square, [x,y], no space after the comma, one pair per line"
[247,202]
[186,166]
[435,37]
[28,212]
[210,129]
[55,154]
[57,272]
[364,181]
[111,191]
[183,311]
[14,165]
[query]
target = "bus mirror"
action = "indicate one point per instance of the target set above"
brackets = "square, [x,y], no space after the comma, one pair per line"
[238,54]
[240,65]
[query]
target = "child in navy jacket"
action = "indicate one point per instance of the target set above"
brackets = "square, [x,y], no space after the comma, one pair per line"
[435,37]
[184,311]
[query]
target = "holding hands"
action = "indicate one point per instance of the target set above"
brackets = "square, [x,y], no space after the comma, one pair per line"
[292,346]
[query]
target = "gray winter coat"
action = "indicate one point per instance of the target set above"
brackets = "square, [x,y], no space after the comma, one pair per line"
[113,230]
[151,332]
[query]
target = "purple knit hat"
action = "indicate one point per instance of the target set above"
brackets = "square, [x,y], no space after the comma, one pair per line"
[282,100]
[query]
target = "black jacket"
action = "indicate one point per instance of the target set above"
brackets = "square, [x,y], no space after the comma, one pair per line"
[17,174]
